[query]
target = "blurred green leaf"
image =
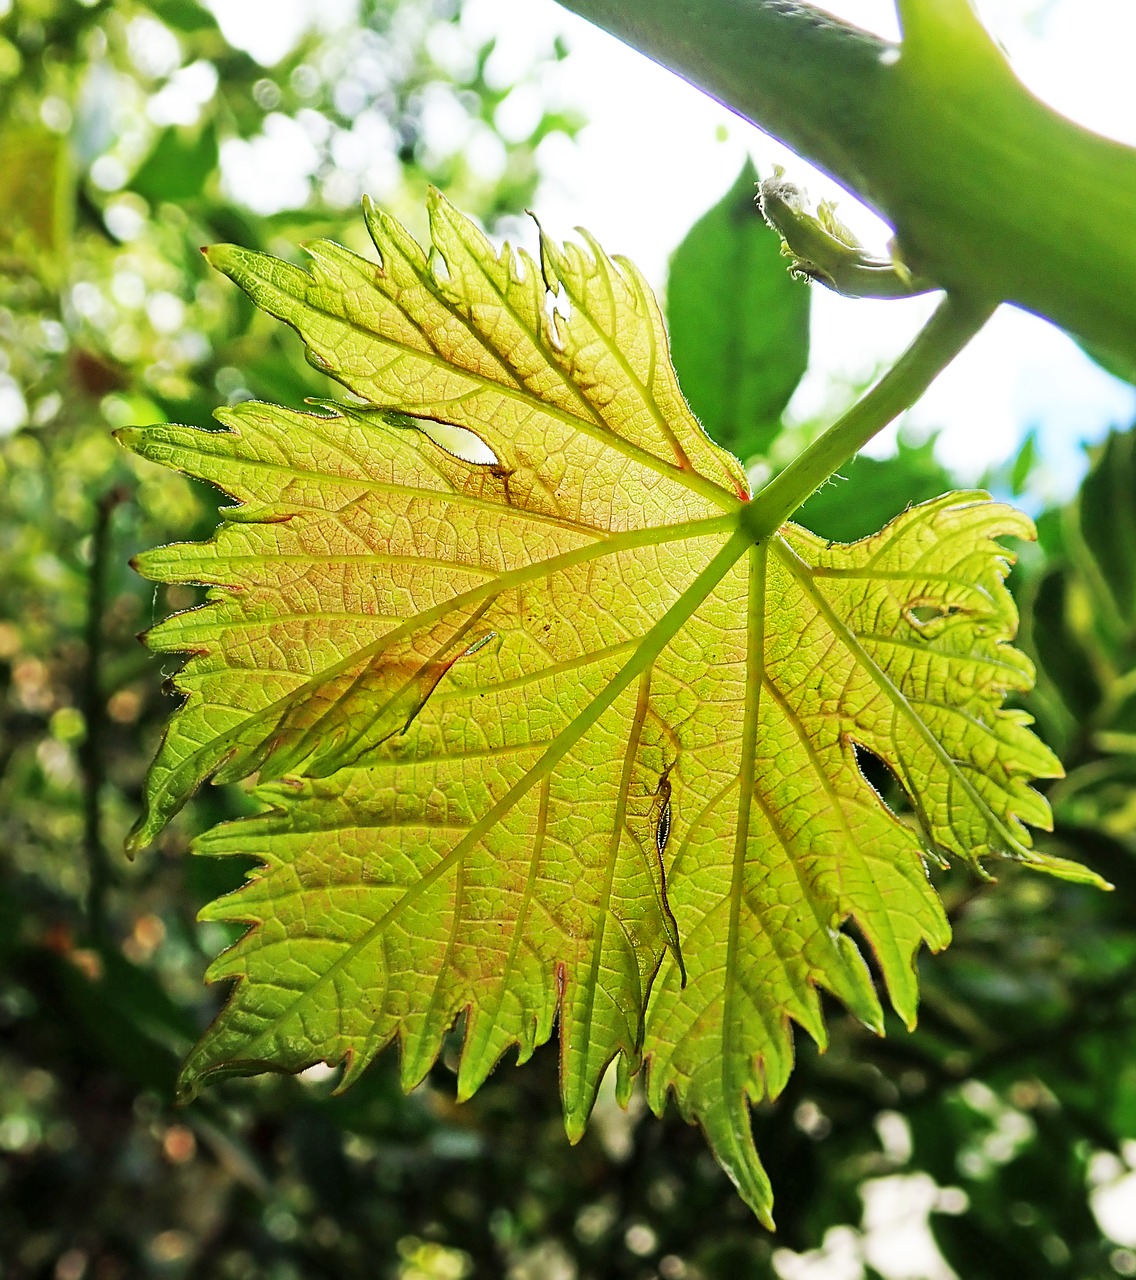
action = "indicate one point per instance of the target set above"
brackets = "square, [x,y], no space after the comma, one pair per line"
[1119,365]
[184,15]
[1024,464]
[1080,624]
[119,1011]
[35,199]
[871,491]
[178,166]
[739,323]
[1105,516]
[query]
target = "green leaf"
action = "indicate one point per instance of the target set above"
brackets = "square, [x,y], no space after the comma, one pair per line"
[549,736]
[184,15]
[869,491]
[1120,363]
[178,166]
[1024,463]
[739,322]
[1081,619]
[35,200]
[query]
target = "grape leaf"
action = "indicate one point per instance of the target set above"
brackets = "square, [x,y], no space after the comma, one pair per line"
[551,735]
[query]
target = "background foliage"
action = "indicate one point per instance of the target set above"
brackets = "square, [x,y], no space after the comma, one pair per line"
[1003,1117]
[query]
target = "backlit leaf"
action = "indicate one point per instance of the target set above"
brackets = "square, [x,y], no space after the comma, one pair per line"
[538,735]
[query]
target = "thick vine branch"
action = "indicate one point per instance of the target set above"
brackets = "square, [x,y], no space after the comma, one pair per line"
[991,192]
[761,58]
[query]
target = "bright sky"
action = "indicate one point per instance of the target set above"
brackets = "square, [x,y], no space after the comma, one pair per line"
[658,153]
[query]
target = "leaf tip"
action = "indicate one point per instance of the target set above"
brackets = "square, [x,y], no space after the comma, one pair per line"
[188,1086]
[625,1073]
[218,256]
[1068,870]
[752,1184]
[575,1125]
[354,1064]
[139,836]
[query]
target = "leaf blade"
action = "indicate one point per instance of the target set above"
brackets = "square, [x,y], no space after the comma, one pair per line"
[550,736]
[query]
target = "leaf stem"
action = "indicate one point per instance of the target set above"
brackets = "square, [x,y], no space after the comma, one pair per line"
[952,326]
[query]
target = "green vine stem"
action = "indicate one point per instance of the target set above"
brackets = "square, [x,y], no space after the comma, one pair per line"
[954,323]
[990,191]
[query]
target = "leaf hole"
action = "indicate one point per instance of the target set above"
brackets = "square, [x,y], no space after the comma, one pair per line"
[558,313]
[883,780]
[919,615]
[458,442]
[439,267]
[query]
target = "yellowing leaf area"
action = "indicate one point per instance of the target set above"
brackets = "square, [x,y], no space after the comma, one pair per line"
[552,737]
